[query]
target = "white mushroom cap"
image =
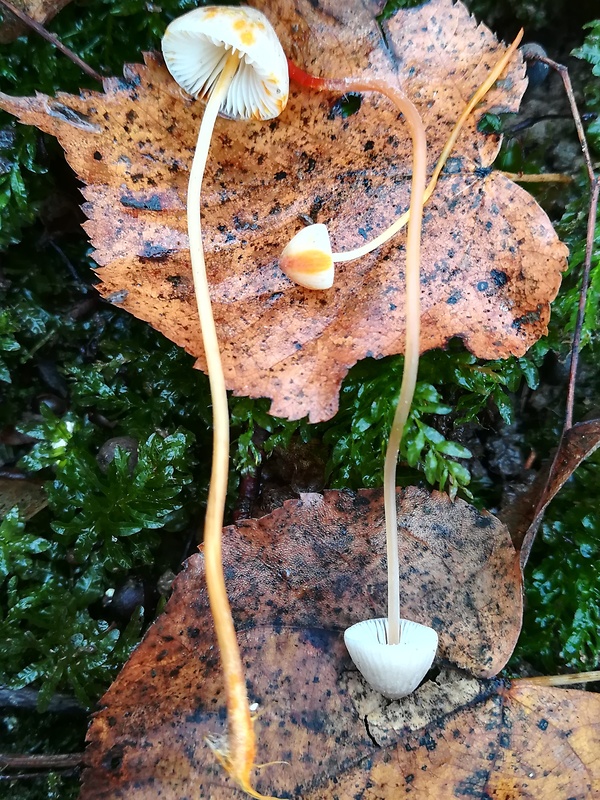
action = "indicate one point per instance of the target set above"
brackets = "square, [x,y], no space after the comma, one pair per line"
[196,45]
[394,670]
[307,259]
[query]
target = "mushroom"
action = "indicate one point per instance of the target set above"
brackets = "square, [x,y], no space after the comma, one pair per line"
[234,58]
[309,248]
[392,654]
[387,661]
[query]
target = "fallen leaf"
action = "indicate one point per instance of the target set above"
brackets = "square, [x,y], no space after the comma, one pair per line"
[460,737]
[524,516]
[491,261]
[296,579]
[29,496]
[41,11]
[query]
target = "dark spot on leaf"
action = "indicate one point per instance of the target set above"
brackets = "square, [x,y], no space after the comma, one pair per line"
[113,758]
[117,297]
[500,278]
[428,741]
[526,319]
[151,203]
[72,117]
[154,251]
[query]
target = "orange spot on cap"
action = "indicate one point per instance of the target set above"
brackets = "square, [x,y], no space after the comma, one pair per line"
[308,262]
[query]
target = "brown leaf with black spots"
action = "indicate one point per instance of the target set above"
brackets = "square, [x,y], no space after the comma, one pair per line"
[491,262]
[485,740]
[296,579]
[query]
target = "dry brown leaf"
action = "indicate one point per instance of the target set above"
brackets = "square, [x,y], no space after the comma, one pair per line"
[487,740]
[491,261]
[296,579]
[29,496]
[41,11]
[523,517]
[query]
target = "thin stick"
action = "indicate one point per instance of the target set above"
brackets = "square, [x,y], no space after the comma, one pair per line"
[238,756]
[585,283]
[589,249]
[585,278]
[541,177]
[564,74]
[560,680]
[38,762]
[54,40]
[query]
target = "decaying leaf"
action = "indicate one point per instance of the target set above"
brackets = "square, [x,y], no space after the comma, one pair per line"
[296,579]
[39,10]
[29,496]
[491,261]
[489,740]
[523,518]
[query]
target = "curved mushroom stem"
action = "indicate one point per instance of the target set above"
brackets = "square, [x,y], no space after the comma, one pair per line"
[312,82]
[413,325]
[239,756]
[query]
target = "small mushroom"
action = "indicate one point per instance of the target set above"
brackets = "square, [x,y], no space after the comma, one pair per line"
[234,58]
[307,258]
[384,650]
[392,670]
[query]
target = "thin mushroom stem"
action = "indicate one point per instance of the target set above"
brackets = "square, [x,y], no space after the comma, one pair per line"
[413,326]
[239,758]
[312,82]
[481,92]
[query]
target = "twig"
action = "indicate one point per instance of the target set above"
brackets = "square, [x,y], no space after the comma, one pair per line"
[536,177]
[50,37]
[594,189]
[529,122]
[51,762]
[585,282]
[564,74]
[585,279]
[28,699]
[561,680]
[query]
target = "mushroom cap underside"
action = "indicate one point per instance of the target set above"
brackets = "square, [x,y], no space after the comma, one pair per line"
[196,46]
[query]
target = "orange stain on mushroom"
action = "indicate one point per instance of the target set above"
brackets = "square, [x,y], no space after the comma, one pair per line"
[244,28]
[309,262]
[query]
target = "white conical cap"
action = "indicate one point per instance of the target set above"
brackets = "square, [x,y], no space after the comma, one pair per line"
[307,259]
[393,670]
[196,46]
